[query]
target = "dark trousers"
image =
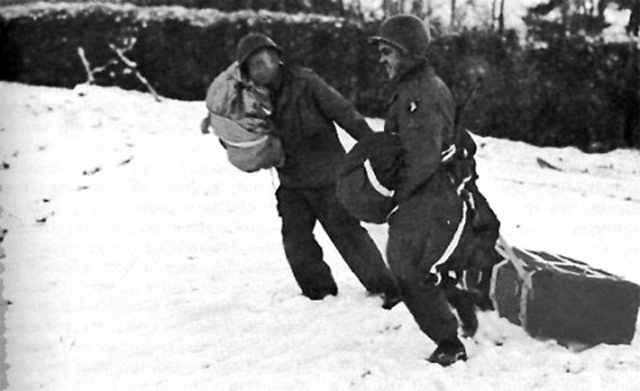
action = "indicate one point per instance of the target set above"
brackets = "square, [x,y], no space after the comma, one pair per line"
[299,210]
[419,233]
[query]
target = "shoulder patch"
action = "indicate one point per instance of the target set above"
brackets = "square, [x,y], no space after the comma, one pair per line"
[413,105]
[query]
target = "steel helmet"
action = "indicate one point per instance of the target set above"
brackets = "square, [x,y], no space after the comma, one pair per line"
[251,43]
[406,33]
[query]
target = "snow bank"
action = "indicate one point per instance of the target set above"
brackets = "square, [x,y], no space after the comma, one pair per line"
[138,258]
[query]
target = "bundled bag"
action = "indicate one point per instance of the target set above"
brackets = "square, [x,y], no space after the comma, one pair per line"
[368,177]
[477,244]
[246,150]
[552,296]
[231,98]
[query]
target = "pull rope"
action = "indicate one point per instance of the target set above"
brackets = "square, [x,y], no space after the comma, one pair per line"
[506,250]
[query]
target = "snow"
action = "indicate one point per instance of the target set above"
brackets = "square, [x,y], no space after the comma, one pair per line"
[137,258]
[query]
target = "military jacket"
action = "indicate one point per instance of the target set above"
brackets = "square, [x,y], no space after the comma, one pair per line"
[422,113]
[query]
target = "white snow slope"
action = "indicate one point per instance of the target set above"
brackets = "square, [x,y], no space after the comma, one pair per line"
[138,258]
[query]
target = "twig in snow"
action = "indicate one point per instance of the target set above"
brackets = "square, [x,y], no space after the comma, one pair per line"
[134,67]
[126,161]
[93,171]
[545,164]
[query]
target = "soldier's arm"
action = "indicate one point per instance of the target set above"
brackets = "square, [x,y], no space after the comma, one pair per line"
[337,108]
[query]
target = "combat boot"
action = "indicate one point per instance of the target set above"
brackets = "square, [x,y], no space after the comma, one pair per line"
[448,352]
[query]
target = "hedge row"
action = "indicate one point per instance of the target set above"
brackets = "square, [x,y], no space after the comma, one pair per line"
[327,7]
[565,94]
[180,51]
[177,49]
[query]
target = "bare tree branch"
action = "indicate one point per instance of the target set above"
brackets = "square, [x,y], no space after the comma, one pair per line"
[87,67]
[134,67]
[91,72]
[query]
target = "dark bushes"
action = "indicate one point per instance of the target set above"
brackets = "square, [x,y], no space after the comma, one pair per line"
[179,50]
[571,92]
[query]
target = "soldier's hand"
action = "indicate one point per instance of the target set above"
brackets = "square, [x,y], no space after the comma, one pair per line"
[252,124]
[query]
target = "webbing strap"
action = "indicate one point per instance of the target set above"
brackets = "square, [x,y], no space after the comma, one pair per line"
[453,244]
[448,154]
[373,179]
[247,144]
[507,252]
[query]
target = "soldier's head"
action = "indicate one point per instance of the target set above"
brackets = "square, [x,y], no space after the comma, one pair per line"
[259,58]
[402,40]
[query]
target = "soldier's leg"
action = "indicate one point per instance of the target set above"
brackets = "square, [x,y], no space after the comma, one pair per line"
[464,302]
[303,253]
[420,232]
[354,244]
[424,299]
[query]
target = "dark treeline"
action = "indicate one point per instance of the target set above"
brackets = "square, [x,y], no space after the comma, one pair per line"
[552,89]
[326,7]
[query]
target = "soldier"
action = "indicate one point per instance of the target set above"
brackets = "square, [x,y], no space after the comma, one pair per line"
[303,111]
[442,225]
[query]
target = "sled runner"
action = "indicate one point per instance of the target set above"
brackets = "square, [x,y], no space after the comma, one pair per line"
[552,296]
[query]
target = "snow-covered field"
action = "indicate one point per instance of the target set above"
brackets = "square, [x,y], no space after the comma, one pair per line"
[137,258]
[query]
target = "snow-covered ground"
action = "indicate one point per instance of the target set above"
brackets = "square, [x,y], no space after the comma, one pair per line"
[137,258]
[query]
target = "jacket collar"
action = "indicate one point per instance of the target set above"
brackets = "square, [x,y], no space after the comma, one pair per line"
[413,70]
[279,90]
[276,86]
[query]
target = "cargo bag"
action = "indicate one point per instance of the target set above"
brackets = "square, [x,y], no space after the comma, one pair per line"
[368,175]
[247,151]
[552,296]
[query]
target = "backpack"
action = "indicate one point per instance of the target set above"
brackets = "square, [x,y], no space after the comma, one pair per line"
[230,98]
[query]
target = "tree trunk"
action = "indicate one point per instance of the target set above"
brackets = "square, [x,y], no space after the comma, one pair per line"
[634,19]
[501,17]
[386,8]
[453,15]
[493,15]
[632,120]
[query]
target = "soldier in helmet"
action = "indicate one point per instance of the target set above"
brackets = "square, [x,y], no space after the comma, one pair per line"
[431,237]
[303,111]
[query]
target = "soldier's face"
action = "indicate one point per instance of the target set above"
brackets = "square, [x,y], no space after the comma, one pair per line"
[391,58]
[263,66]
